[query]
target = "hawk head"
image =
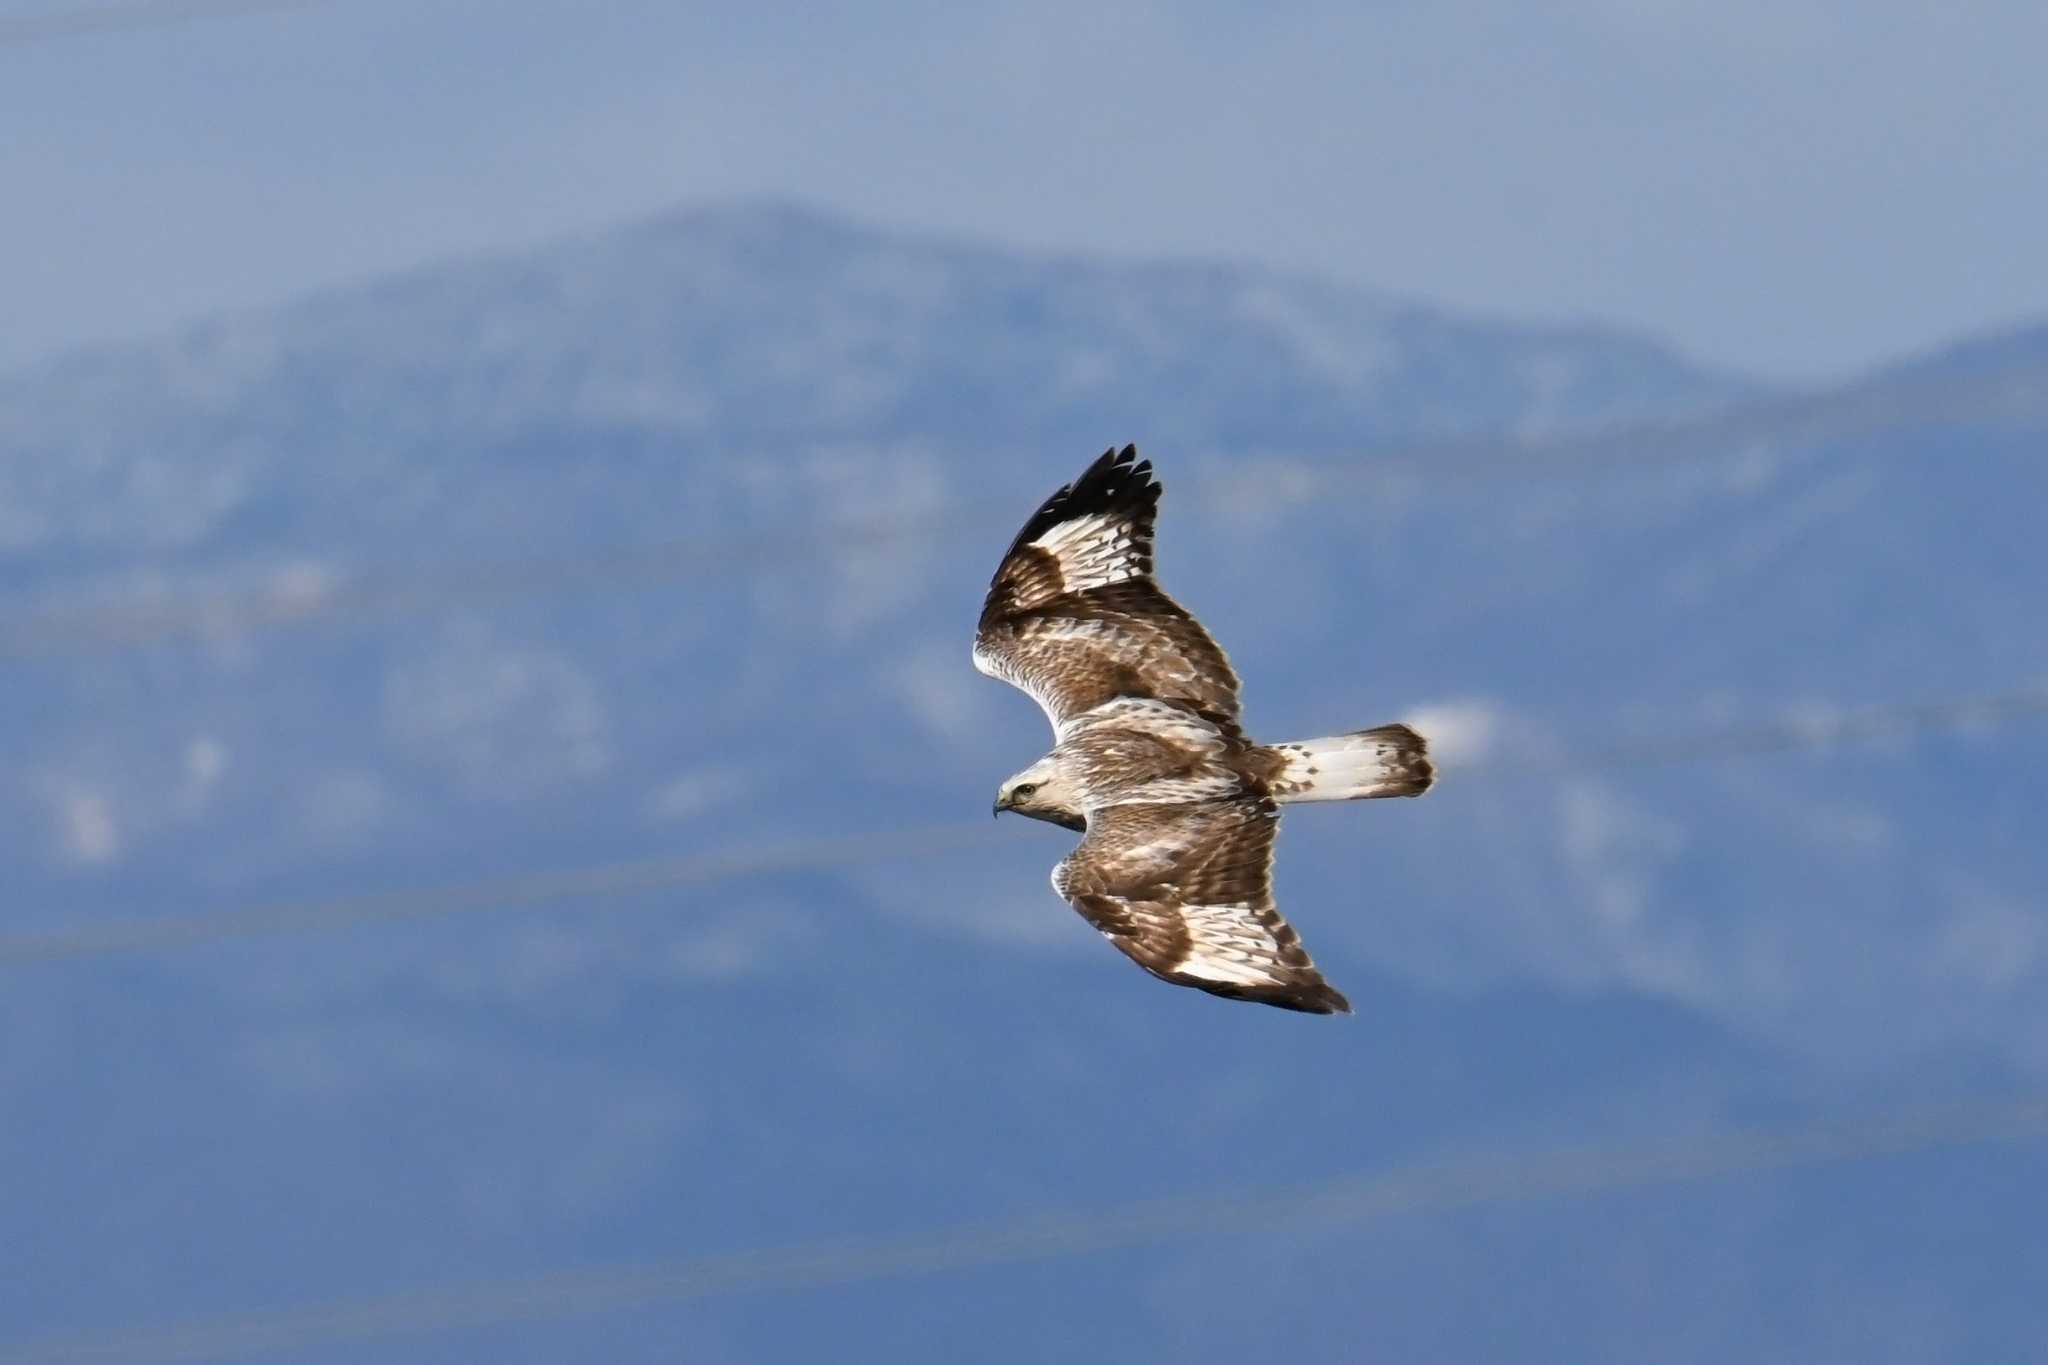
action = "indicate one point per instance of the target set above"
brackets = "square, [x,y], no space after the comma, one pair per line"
[1043,792]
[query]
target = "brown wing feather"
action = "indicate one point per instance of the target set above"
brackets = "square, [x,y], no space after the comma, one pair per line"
[1074,617]
[1186,892]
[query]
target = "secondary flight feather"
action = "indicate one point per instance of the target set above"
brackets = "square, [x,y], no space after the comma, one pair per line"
[1178,808]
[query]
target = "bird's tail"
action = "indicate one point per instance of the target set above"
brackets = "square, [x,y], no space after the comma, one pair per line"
[1388,760]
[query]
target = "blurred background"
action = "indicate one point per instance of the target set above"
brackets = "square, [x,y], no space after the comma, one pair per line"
[494,500]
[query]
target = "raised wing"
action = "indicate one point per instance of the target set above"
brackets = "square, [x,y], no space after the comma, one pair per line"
[1073,616]
[1186,892]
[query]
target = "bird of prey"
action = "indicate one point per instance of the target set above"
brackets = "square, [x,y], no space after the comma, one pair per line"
[1178,806]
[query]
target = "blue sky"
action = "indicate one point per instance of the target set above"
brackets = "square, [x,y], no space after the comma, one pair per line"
[1792,189]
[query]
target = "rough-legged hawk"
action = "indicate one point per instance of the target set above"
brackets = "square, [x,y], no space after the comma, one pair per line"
[1179,807]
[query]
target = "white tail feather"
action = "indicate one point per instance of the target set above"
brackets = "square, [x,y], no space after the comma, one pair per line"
[1388,760]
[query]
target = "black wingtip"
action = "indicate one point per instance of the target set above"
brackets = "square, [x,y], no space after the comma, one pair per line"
[1303,997]
[1321,998]
[1117,481]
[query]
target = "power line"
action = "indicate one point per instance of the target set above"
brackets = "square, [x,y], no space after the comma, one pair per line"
[51,25]
[298,598]
[382,592]
[1346,1201]
[594,883]
[610,880]
[1821,728]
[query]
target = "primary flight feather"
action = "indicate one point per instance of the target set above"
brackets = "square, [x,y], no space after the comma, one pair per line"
[1179,808]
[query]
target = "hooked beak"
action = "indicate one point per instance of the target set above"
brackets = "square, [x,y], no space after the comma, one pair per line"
[1002,804]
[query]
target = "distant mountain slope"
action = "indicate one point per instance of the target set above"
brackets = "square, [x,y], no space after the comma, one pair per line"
[671,542]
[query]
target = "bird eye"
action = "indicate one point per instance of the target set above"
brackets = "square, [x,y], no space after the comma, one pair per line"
[1023,789]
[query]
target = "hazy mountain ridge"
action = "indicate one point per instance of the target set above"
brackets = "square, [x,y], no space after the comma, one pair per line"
[725,333]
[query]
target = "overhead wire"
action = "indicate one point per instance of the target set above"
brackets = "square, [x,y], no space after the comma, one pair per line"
[594,885]
[1345,1201]
[301,596]
[38,629]
[1813,728]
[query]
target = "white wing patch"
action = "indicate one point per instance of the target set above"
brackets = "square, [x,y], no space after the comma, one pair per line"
[1094,551]
[1227,945]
